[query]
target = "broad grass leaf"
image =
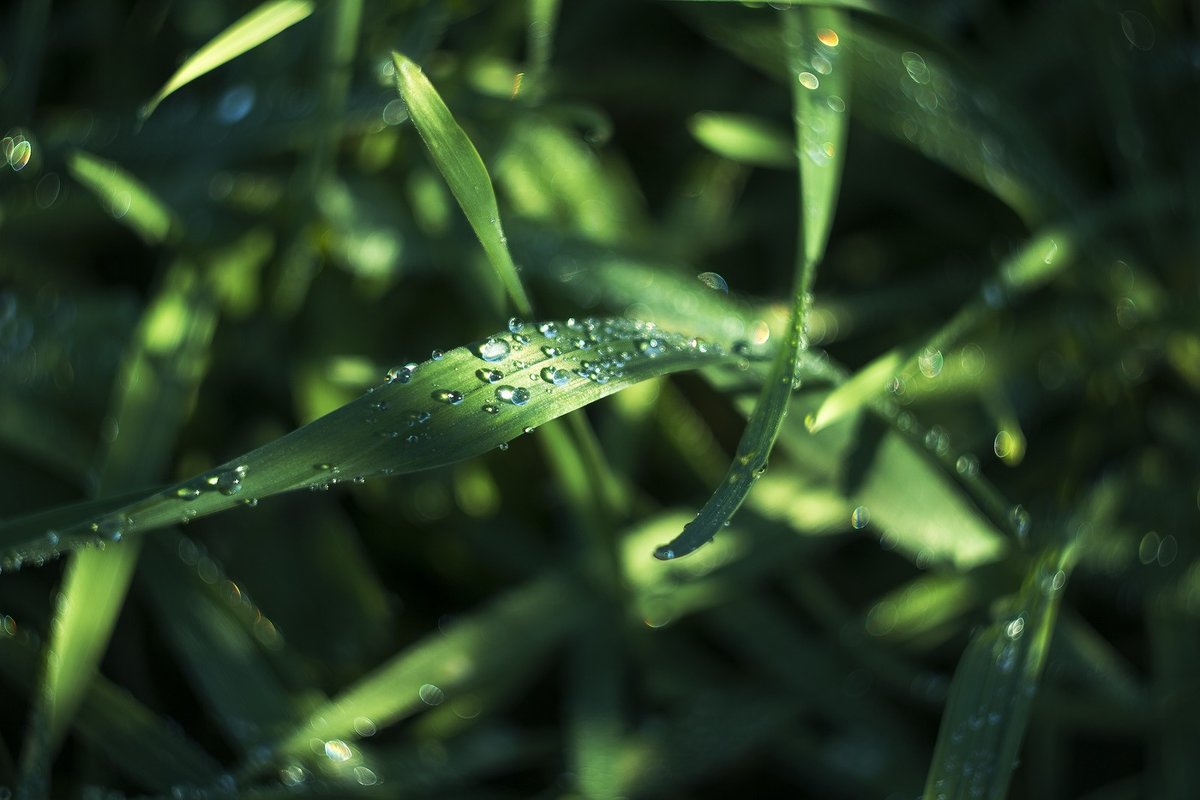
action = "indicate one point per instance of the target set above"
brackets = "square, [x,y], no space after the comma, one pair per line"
[464,171]
[124,197]
[470,400]
[261,24]
[813,40]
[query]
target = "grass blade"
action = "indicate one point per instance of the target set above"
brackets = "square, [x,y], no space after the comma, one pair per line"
[261,24]
[743,138]
[470,400]
[459,162]
[993,688]
[514,630]
[125,197]
[813,39]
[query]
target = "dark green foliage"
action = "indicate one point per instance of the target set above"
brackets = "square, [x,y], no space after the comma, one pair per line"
[950,393]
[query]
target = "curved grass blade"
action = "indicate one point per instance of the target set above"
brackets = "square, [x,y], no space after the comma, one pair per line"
[513,631]
[743,138]
[125,197]
[993,688]
[261,24]
[813,40]
[471,400]
[459,162]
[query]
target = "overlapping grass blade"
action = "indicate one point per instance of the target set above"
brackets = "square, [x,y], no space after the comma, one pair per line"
[125,197]
[150,403]
[216,647]
[814,43]
[459,162]
[136,740]
[514,630]
[261,24]
[993,689]
[468,401]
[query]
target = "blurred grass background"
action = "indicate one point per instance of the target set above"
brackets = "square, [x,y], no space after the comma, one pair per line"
[1015,241]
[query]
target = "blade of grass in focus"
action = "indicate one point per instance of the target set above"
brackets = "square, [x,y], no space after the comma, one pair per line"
[467,401]
[260,25]
[459,162]
[814,42]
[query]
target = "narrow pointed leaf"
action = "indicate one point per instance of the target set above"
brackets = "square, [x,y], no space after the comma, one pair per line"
[993,688]
[469,401]
[124,197]
[459,162]
[514,630]
[864,385]
[813,39]
[258,26]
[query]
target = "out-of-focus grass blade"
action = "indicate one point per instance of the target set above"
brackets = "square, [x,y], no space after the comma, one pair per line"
[160,374]
[137,741]
[217,650]
[539,44]
[459,162]
[814,43]
[470,400]
[125,197]
[849,5]
[744,138]
[258,26]
[863,386]
[993,689]
[512,633]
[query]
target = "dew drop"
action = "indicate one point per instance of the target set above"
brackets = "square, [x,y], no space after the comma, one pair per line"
[808,80]
[431,695]
[552,352]
[437,355]
[1019,518]
[490,408]
[187,493]
[930,362]
[21,153]
[493,349]
[518,396]
[967,465]
[401,374]
[860,517]
[549,330]
[713,281]
[488,375]
[448,396]
[502,446]
[558,377]
[516,325]
[338,751]
[828,37]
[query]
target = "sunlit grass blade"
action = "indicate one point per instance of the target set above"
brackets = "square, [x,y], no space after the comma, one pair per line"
[124,197]
[851,395]
[744,138]
[462,404]
[515,630]
[459,162]
[993,689]
[814,42]
[539,44]
[261,24]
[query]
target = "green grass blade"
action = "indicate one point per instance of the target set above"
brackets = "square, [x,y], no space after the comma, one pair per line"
[470,400]
[743,138]
[865,385]
[261,24]
[151,401]
[814,41]
[993,688]
[124,196]
[459,162]
[514,630]
[216,648]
